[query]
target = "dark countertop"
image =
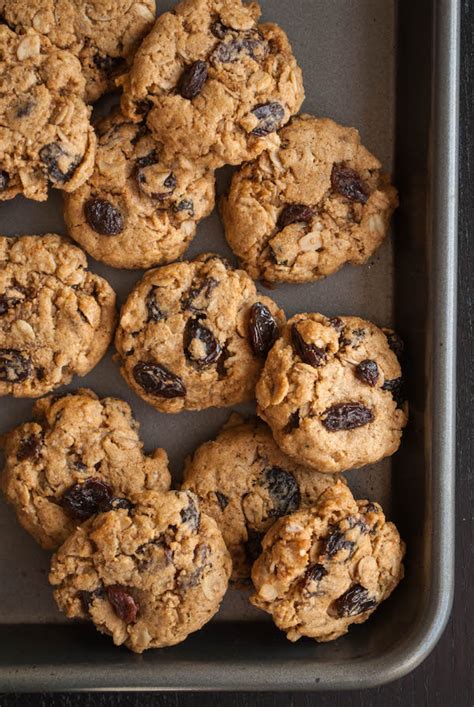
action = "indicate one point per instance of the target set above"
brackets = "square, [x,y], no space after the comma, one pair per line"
[447,676]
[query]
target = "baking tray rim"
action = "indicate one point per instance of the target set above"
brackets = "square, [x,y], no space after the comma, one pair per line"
[408,654]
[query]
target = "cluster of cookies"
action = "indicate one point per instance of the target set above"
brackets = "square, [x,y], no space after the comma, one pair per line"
[208,86]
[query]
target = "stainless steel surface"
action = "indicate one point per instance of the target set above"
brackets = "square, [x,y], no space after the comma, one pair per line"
[402,95]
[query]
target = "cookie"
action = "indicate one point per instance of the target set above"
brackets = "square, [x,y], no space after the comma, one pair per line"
[194,335]
[327,567]
[301,212]
[45,134]
[137,210]
[149,576]
[56,317]
[102,34]
[82,456]
[245,483]
[214,85]
[332,392]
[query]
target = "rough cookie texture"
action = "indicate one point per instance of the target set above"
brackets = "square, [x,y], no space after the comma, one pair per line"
[195,334]
[81,457]
[245,483]
[332,392]
[45,133]
[213,84]
[149,576]
[327,567]
[137,210]
[56,318]
[299,213]
[102,34]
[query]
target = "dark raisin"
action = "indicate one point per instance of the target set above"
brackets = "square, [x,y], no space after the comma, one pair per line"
[371,508]
[184,205]
[367,372]
[88,597]
[14,366]
[4,179]
[29,447]
[309,353]
[347,182]
[122,603]
[158,380]
[50,155]
[218,29]
[396,388]
[284,491]
[80,466]
[204,288]
[24,109]
[347,416]
[103,217]
[221,362]
[294,213]
[7,303]
[194,331]
[315,573]
[40,373]
[355,601]
[293,422]
[336,542]
[109,65]
[146,160]
[337,324]
[84,500]
[357,522]
[270,116]
[190,514]
[395,343]
[263,329]
[154,312]
[192,80]
[250,43]
[222,500]
[253,545]
[121,503]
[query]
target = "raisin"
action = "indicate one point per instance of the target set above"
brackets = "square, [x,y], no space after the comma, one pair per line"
[80,466]
[253,545]
[219,29]
[396,388]
[222,500]
[7,303]
[336,542]
[195,331]
[40,373]
[14,366]
[367,372]
[29,447]
[121,503]
[315,573]
[88,597]
[4,179]
[356,600]
[103,217]
[109,65]
[50,155]
[221,362]
[122,603]
[82,501]
[309,353]
[337,324]
[347,416]
[284,491]
[371,508]
[190,514]
[249,43]
[184,205]
[147,160]
[158,380]
[24,109]
[270,116]
[348,183]
[293,422]
[193,79]
[263,329]
[204,288]
[395,342]
[292,213]
[154,312]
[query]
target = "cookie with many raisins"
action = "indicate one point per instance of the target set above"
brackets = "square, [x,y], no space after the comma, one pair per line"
[56,317]
[300,213]
[137,209]
[149,576]
[194,335]
[327,567]
[213,84]
[332,392]
[245,482]
[82,456]
[102,34]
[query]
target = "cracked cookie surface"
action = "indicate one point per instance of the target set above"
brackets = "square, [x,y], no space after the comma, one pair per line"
[45,134]
[213,83]
[102,34]
[332,392]
[194,335]
[148,577]
[301,212]
[81,456]
[327,567]
[137,210]
[246,483]
[56,317]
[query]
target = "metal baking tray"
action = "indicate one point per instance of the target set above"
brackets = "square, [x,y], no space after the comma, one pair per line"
[391,69]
